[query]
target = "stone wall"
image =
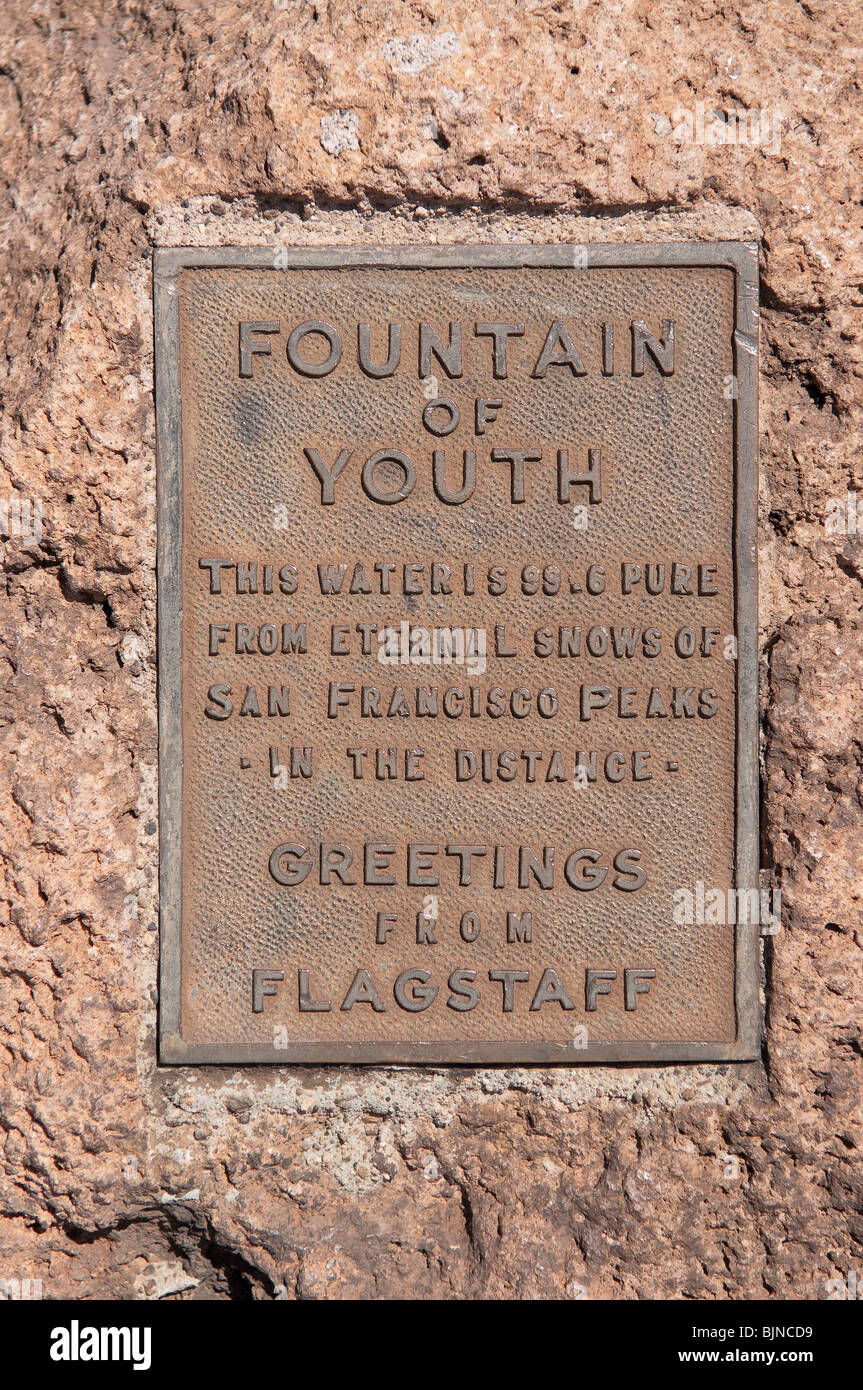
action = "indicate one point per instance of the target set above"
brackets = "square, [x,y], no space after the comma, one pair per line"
[124,126]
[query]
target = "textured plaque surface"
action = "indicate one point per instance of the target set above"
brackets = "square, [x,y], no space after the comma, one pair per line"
[457,653]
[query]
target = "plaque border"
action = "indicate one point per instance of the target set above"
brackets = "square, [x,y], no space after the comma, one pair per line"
[168,262]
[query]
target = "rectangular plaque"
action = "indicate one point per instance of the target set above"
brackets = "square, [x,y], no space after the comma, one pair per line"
[457,653]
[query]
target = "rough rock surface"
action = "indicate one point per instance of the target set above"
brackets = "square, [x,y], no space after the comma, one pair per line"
[127,124]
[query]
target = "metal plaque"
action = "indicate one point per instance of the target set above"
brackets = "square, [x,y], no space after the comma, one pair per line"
[457,654]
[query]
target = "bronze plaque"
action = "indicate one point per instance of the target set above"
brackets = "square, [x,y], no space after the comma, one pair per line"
[457,654]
